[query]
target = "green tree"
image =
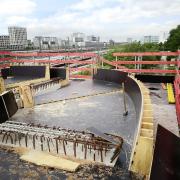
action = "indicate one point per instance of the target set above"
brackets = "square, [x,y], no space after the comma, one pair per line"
[173,42]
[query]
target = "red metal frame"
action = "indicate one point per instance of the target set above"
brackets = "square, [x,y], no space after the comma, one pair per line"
[158,71]
[41,54]
[80,76]
[164,53]
[53,61]
[147,62]
[177,97]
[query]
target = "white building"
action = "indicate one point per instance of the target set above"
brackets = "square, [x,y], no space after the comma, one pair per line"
[151,39]
[78,39]
[93,38]
[4,42]
[17,37]
[46,42]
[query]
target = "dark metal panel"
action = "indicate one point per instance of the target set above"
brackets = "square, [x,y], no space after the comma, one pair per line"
[133,90]
[58,72]
[155,78]
[131,87]
[166,160]
[5,73]
[10,103]
[110,75]
[30,71]
[3,112]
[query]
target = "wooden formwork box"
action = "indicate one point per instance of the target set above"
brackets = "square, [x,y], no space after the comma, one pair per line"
[26,96]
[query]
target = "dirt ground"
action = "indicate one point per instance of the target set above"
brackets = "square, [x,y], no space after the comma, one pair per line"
[12,168]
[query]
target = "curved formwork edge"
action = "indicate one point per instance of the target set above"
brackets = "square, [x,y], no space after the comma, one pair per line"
[142,150]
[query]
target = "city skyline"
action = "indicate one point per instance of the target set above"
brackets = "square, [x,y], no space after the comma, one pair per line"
[111,19]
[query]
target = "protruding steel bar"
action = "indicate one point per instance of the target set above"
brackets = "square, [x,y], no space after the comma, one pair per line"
[64,147]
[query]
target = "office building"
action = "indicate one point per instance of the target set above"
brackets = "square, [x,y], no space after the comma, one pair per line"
[4,42]
[45,43]
[151,39]
[17,37]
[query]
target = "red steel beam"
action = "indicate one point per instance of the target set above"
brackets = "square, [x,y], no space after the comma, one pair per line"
[5,52]
[36,54]
[112,63]
[80,76]
[147,62]
[4,65]
[122,54]
[54,61]
[159,71]
[5,59]
[80,69]
[41,54]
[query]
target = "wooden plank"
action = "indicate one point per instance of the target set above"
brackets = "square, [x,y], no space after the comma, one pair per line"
[148,106]
[147,125]
[142,159]
[147,101]
[148,113]
[146,132]
[147,119]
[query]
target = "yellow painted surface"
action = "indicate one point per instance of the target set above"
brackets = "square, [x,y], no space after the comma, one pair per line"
[45,159]
[170,93]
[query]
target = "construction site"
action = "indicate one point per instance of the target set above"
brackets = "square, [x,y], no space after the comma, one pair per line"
[118,123]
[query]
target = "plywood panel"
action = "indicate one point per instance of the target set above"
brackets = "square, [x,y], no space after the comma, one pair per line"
[143,156]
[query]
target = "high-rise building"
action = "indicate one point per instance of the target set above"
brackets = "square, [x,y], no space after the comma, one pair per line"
[151,39]
[17,37]
[4,42]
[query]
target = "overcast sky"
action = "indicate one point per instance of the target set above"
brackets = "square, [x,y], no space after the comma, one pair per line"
[110,19]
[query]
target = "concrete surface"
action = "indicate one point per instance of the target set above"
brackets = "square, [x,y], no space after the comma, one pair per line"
[77,88]
[104,111]
[164,113]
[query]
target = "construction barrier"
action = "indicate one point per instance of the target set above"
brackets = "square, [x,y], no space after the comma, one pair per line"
[177,97]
